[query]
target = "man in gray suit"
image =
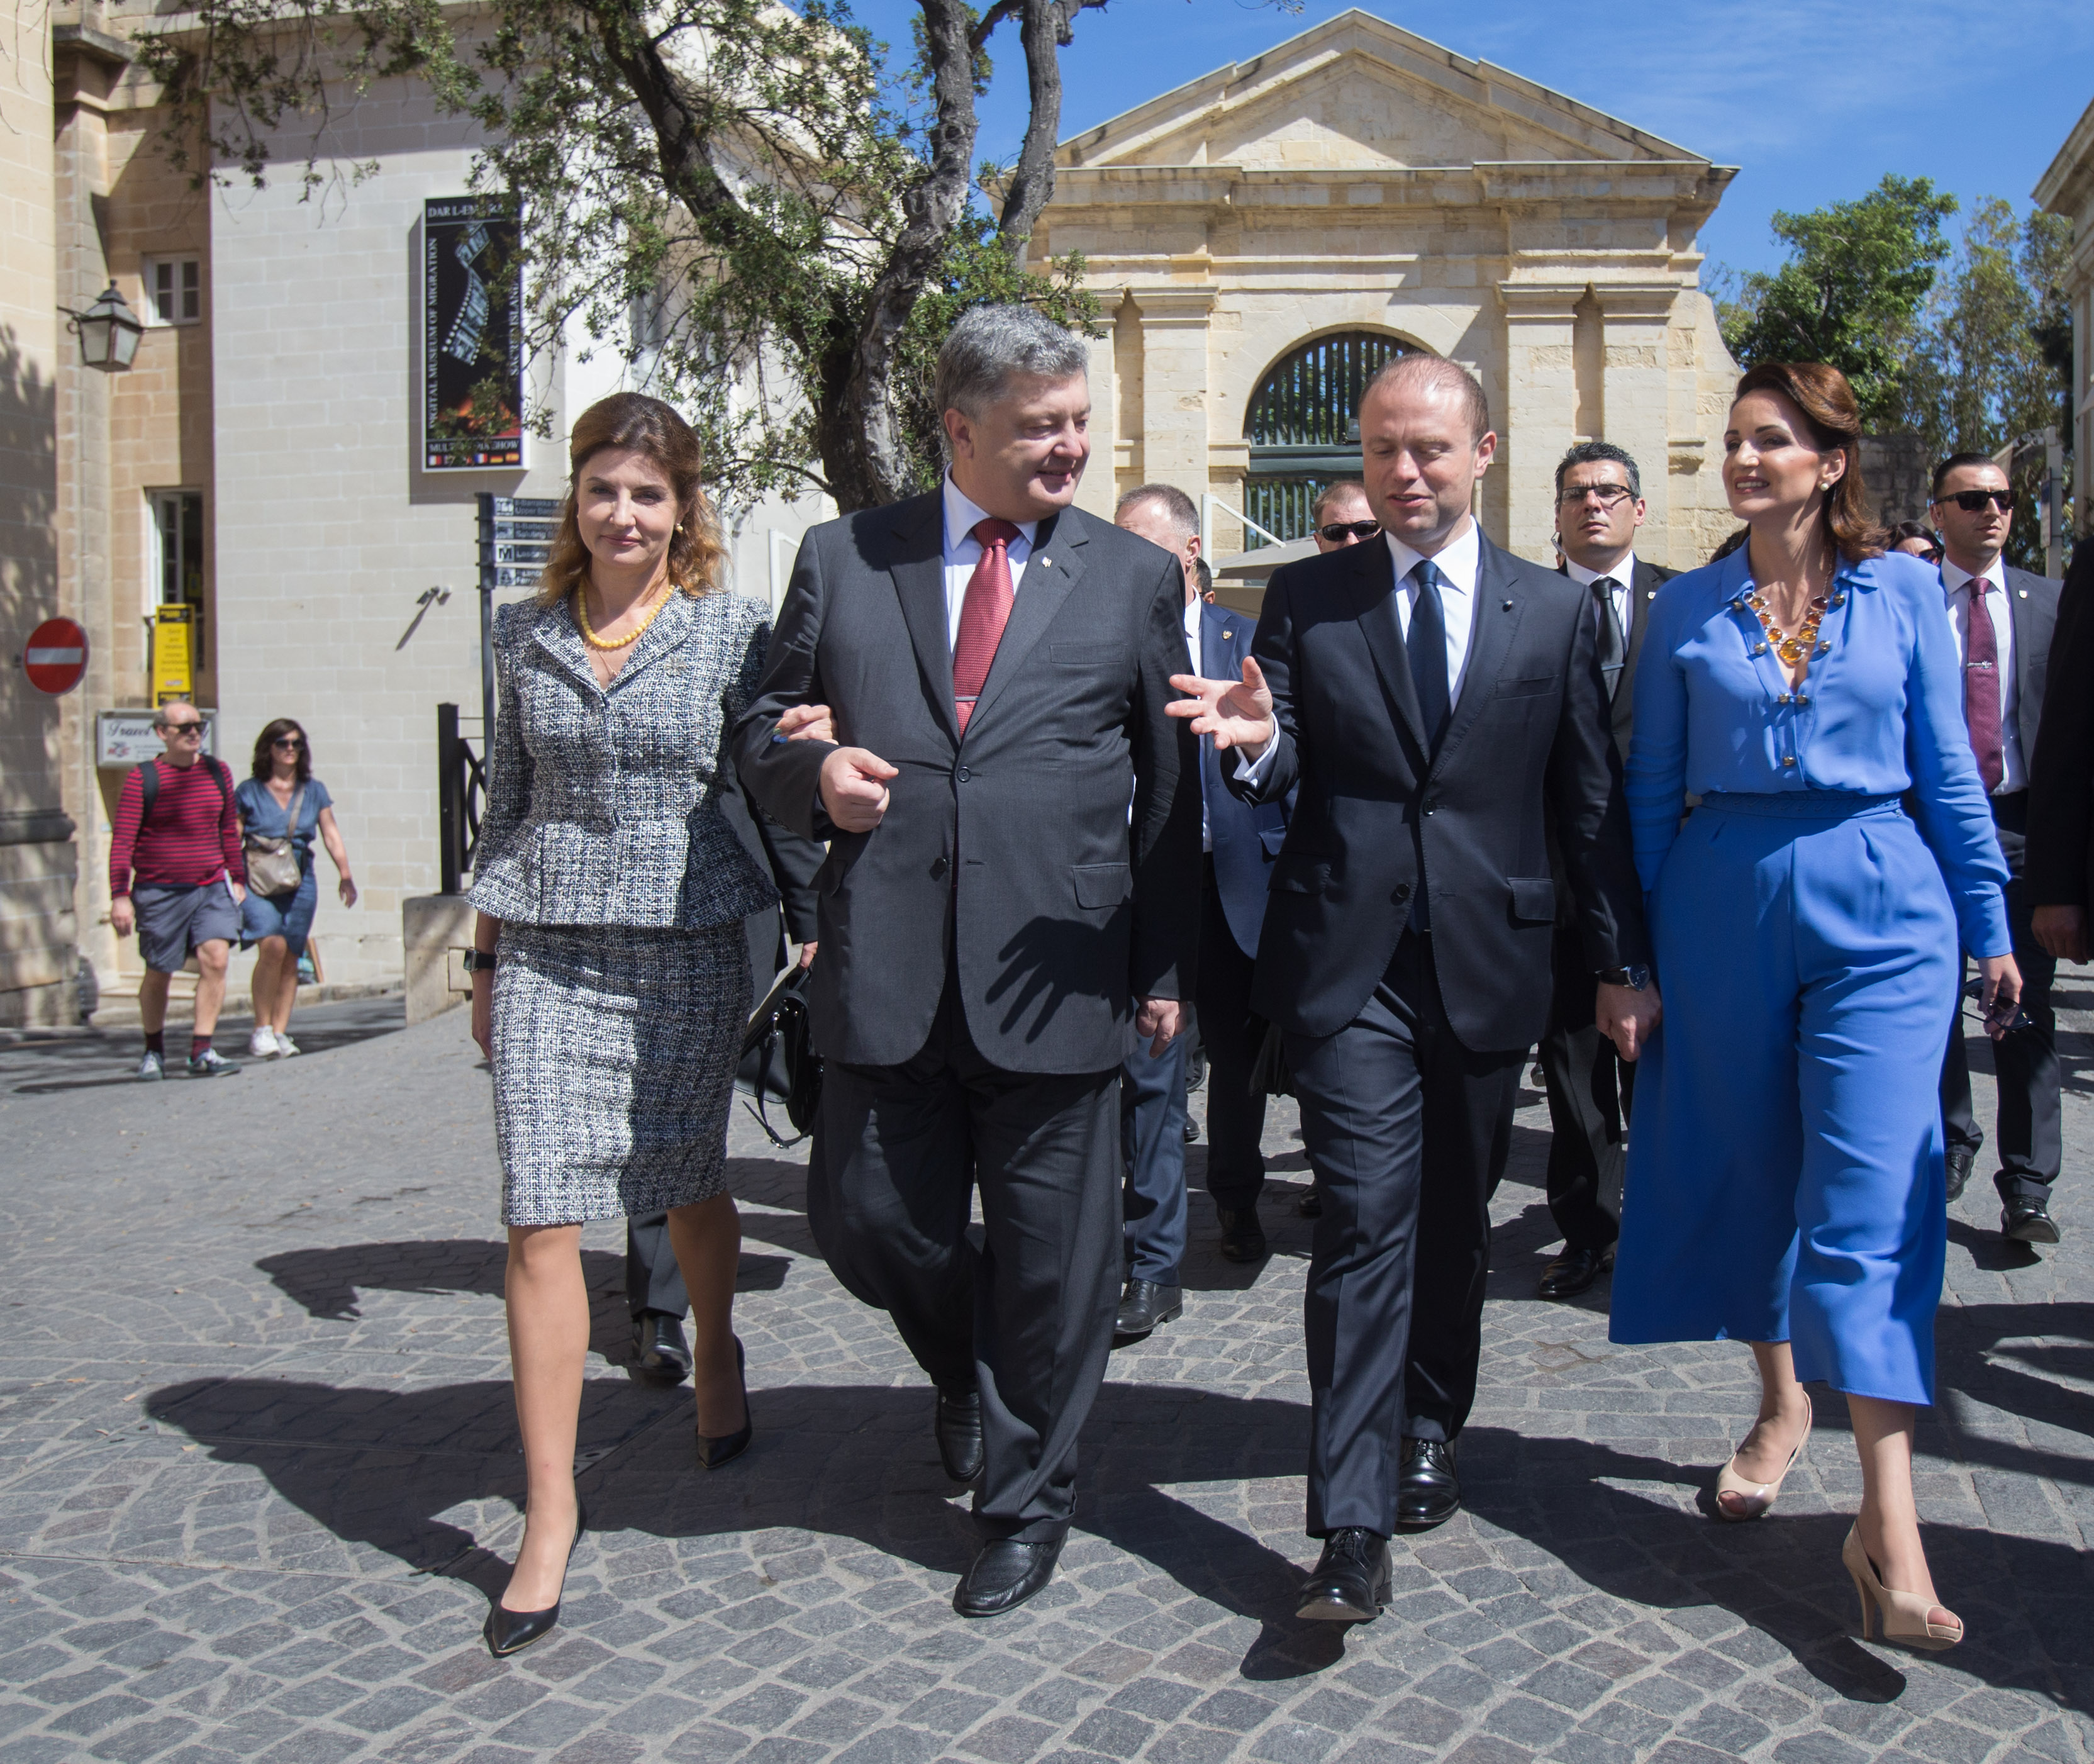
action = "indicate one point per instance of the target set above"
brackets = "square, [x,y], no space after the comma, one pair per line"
[995,922]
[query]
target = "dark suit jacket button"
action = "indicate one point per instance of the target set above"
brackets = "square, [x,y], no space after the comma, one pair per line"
[963,775]
[1402,892]
[939,867]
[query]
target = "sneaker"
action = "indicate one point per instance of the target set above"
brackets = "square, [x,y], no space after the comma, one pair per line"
[210,1063]
[286,1047]
[151,1069]
[262,1045]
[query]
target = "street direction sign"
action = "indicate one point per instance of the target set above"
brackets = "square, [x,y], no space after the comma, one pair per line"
[55,657]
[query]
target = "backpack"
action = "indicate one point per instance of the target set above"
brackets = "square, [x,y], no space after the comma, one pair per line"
[148,785]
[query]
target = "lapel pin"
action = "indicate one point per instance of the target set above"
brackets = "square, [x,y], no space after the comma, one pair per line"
[1044,562]
[2023,592]
[1505,605]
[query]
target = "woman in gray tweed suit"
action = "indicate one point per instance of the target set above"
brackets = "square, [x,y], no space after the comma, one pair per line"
[610,894]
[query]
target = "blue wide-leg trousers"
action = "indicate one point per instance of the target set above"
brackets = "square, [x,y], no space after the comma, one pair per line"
[1784,1176]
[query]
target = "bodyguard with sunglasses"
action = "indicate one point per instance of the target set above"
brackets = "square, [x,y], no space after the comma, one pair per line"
[2005,651]
[1341,517]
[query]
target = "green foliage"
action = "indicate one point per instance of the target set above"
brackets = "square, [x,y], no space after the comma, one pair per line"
[720,190]
[1851,290]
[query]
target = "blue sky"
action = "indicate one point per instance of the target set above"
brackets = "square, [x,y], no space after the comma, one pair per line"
[1814,100]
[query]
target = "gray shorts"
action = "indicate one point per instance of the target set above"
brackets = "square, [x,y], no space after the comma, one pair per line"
[173,921]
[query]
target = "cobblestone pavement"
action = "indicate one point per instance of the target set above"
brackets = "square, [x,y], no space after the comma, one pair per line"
[258,1478]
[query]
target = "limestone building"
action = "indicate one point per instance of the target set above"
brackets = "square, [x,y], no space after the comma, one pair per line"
[1264,235]
[1260,236]
[2067,189]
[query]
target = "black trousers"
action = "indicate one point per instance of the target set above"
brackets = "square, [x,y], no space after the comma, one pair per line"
[1235,1113]
[1589,1088]
[898,1152]
[1408,1131]
[652,1280]
[2031,1120]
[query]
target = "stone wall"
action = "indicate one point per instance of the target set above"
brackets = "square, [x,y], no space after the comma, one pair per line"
[1896,472]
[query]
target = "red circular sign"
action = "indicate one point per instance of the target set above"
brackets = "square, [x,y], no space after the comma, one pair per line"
[56,657]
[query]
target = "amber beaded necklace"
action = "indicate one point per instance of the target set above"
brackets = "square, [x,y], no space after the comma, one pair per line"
[631,636]
[1798,648]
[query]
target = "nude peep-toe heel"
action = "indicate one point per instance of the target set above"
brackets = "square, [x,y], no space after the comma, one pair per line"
[1758,1497]
[1903,1617]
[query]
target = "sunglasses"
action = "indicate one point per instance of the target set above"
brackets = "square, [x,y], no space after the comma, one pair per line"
[291,741]
[1973,502]
[183,729]
[1606,495]
[1340,530]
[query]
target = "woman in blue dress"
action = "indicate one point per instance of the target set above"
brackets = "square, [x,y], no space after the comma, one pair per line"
[1785,1183]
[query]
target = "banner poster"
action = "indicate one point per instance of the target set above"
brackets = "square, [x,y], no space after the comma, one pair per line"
[472,341]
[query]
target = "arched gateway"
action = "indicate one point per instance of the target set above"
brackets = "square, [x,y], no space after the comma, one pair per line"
[1302,427]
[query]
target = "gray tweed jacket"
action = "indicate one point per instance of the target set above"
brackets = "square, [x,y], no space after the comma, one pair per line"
[603,803]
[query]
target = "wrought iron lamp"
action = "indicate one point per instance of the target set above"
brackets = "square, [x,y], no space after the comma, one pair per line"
[108,332]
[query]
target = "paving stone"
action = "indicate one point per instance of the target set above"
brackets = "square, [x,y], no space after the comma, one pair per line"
[259,1516]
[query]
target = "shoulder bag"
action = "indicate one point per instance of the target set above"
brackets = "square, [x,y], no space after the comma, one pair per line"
[272,864]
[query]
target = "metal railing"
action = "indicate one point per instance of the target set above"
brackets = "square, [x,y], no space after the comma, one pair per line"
[461,799]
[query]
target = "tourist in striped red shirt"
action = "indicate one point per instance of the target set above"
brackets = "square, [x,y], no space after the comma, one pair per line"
[177,876]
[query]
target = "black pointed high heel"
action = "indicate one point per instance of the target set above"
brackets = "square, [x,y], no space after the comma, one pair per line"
[509,1632]
[716,1450]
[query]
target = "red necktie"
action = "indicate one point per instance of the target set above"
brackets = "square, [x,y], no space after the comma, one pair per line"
[983,615]
[1981,689]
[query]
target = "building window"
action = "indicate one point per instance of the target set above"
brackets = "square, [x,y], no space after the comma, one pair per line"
[1302,428]
[174,290]
[178,547]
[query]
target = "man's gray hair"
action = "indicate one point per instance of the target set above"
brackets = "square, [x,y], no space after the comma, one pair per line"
[1175,505]
[1419,369]
[989,347]
[1593,453]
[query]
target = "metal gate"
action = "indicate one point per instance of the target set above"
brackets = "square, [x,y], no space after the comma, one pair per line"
[1302,427]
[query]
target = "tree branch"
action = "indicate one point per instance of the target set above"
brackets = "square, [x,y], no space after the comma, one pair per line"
[1047,26]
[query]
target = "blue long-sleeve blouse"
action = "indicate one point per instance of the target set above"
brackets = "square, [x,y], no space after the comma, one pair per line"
[1880,712]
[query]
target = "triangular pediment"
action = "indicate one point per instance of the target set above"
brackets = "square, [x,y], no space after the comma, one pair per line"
[1357,92]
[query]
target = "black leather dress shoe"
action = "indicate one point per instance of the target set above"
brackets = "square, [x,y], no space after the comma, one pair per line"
[508,1631]
[2027,1222]
[1960,1158]
[1242,1238]
[715,1450]
[1349,1584]
[1192,1130]
[1004,1576]
[1427,1492]
[958,1430]
[659,1354]
[1575,1271]
[1144,1305]
[1310,1205]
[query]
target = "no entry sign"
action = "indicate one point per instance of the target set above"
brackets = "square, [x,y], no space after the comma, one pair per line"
[56,657]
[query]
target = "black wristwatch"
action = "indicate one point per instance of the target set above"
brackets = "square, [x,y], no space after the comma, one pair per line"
[1635,977]
[481,961]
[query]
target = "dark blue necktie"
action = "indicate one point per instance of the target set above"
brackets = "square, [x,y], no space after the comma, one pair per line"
[1427,645]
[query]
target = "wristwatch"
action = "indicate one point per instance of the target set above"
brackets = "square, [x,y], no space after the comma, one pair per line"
[481,961]
[1635,977]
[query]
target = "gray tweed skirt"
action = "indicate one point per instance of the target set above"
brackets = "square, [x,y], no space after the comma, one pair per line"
[614,1055]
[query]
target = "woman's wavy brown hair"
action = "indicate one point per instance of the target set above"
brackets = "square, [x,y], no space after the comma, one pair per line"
[265,744]
[630,421]
[1833,420]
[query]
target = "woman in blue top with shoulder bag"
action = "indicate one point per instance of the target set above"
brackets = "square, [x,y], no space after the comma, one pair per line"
[283,809]
[1785,1176]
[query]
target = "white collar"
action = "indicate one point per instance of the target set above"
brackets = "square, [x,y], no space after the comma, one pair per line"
[1459,561]
[1623,573]
[1955,579]
[962,516]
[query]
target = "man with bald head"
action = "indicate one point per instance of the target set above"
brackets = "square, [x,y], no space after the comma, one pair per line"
[1434,698]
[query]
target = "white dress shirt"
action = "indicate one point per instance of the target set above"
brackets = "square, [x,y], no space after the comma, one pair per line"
[1623,576]
[963,552]
[1194,608]
[1956,584]
[1459,563]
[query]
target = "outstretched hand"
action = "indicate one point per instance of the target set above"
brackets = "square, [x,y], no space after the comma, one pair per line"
[1237,714]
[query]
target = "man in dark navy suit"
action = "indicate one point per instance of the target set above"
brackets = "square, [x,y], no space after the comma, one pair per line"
[2006,654]
[1437,701]
[1599,507]
[1239,842]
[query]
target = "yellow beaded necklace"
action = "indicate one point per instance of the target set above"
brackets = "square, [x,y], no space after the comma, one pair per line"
[631,636]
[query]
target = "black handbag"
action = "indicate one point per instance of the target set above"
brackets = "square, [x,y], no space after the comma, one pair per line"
[778,1063]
